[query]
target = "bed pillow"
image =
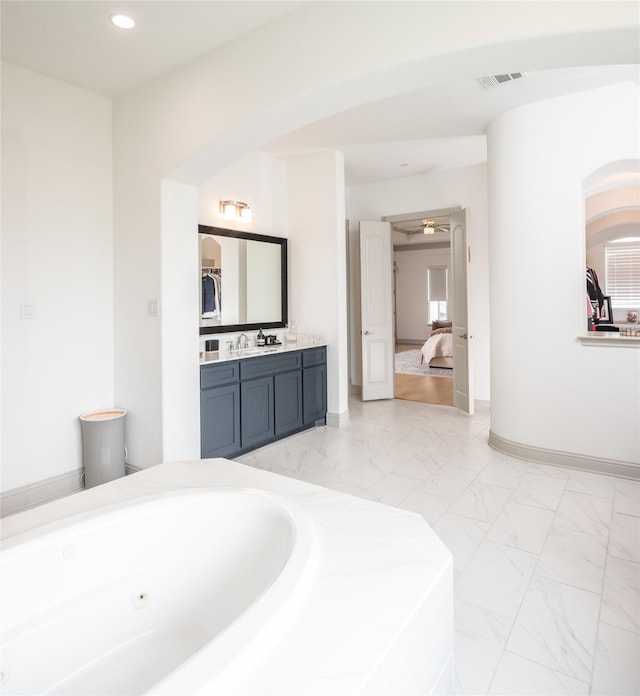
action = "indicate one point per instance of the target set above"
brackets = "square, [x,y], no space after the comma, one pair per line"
[444,330]
[441,325]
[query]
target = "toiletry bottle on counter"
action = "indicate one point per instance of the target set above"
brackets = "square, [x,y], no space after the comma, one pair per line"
[260,340]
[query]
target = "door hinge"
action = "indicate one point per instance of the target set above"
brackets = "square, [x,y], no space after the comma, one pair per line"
[469,250]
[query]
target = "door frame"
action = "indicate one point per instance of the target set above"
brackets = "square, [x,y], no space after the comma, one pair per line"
[440,212]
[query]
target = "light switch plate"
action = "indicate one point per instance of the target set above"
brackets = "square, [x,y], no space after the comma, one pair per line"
[27,310]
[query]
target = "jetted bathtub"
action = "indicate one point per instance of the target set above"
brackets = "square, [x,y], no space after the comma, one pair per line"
[160,595]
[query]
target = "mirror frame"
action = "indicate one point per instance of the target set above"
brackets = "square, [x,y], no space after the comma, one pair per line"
[284,293]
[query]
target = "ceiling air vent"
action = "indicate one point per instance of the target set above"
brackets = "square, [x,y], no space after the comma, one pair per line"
[495,80]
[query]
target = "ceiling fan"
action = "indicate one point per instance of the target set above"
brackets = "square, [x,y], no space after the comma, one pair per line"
[431,226]
[422,226]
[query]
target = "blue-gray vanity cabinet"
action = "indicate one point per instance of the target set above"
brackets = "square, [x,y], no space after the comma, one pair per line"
[314,385]
[248,403]
[219,410]
[271,395]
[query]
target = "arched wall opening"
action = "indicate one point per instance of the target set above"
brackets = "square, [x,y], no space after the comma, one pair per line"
[612,222]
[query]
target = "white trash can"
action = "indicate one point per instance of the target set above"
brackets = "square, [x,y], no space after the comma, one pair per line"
[103,448]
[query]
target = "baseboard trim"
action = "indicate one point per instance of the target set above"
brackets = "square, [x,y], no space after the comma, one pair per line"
[18,499]
[338,420]
[33,494]
[540,455]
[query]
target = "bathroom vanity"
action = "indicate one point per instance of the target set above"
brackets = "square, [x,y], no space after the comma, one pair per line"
[251,398]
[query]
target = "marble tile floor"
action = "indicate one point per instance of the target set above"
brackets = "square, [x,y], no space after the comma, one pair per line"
[546,559]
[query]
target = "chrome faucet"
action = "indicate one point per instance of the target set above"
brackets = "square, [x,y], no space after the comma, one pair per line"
[243,341]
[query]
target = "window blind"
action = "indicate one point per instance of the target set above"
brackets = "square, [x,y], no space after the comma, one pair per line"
[437,282]
[623,275]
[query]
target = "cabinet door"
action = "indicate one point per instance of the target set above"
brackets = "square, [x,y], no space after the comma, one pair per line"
[220,421]
[288,402]
[257,411]
[314,393]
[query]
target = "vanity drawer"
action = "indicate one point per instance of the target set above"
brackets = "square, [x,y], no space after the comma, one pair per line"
[314,356]
[270,364]
[217,375]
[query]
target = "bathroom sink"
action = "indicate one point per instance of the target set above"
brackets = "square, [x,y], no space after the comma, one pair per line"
[245,352]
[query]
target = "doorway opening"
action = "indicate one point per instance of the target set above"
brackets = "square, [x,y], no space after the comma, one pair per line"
[425,388]
[422,306]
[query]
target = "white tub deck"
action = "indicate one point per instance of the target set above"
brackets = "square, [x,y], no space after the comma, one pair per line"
[150,595]
[377,617]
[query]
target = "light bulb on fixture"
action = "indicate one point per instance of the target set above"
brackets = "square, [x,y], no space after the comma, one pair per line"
[429,226]
[235,210]
[228,209]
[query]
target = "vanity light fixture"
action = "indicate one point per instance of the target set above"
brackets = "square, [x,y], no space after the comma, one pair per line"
[123,21]
[235,210]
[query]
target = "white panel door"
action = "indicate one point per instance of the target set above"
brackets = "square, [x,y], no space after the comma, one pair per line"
[462,372]
[377,311]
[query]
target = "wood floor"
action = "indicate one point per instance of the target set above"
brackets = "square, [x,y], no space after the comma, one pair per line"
[424,388]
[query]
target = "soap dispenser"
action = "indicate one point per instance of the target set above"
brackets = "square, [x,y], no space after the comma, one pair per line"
[260,340]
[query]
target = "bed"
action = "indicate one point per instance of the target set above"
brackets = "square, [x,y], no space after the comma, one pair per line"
[437,350]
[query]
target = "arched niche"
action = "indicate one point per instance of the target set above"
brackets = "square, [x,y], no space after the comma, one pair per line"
[612,212]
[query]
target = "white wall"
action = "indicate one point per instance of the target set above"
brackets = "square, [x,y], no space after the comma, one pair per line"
[256,179]
[57,254]
[549,391]
[465,187]
[180,316]
[411,289]
[317,264]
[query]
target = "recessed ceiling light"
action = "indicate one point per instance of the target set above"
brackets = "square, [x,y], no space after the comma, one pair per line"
[122,21]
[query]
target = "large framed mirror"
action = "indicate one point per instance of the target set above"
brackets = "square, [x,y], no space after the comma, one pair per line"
[244,280]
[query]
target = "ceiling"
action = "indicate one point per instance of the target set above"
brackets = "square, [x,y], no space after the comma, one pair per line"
[49,36]
[437,128]
[441,127]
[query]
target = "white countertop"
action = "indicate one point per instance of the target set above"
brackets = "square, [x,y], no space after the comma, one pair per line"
[382,573]
[224,355]
[609,338]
